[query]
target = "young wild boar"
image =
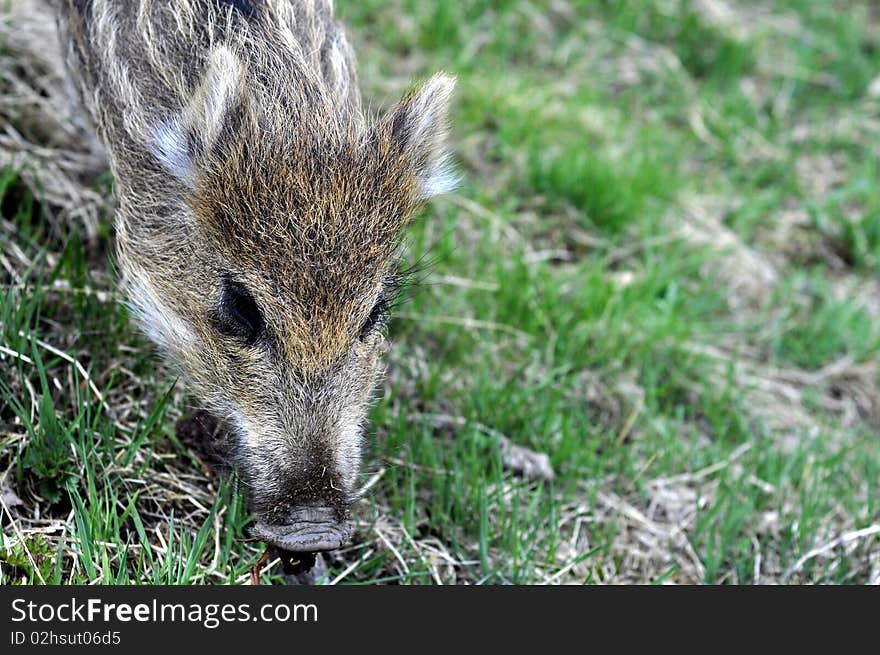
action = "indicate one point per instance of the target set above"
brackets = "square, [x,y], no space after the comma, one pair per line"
[258,214]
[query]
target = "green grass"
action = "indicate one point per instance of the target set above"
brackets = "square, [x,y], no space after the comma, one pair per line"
[592,293]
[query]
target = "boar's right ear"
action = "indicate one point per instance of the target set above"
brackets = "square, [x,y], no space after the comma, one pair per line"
[419,126]
[177,142]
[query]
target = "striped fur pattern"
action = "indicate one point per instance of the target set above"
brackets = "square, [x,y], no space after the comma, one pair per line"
[258,213]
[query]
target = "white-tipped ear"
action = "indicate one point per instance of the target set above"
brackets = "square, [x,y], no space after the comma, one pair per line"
[168,145]
[174,142]
[419,126]
[440,178]
[219,92]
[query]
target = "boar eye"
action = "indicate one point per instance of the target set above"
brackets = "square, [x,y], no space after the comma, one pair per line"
[237,314]
[377,316]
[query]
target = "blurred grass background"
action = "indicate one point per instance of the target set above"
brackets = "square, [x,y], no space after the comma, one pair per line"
[661,271]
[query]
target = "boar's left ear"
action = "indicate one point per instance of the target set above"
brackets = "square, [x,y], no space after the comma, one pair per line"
[419,126]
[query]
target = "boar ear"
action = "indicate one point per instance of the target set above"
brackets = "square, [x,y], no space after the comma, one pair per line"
[419,126]
[177,142]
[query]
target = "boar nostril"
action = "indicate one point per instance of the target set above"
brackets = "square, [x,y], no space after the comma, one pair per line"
[307,529]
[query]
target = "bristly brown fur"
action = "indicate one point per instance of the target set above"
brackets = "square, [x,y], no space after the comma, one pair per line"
[243,160]
[330,236]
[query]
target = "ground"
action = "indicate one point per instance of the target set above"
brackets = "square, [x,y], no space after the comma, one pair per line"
[660,270]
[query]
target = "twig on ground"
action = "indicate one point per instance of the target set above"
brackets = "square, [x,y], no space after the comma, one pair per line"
[841,540]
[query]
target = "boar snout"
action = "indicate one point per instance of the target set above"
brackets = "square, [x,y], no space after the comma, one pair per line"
[307,529]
